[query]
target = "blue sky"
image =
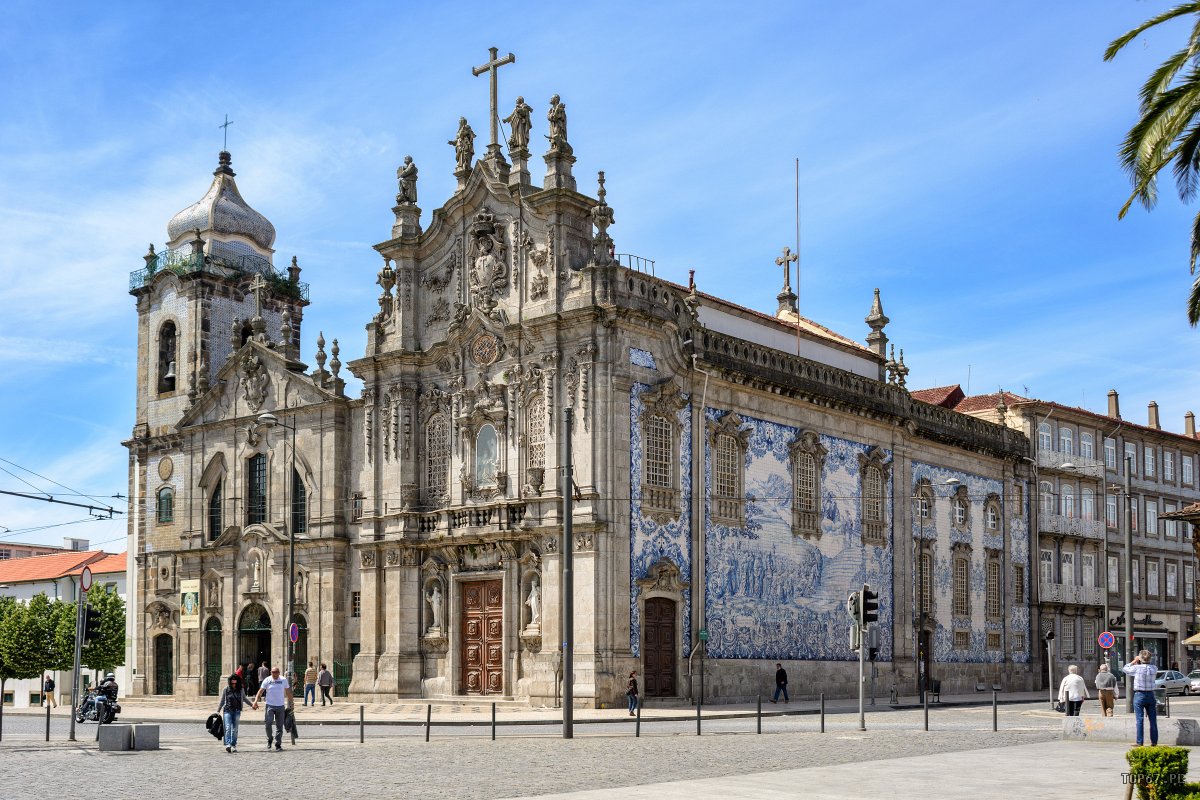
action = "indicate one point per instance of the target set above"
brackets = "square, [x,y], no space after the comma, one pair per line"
[959,156]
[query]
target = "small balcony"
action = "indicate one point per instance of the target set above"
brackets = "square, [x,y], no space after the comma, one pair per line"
[1071,526]
[1071,594]
[1052,459]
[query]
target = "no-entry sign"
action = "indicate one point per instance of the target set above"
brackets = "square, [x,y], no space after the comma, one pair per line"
[294,632]
[1106,640]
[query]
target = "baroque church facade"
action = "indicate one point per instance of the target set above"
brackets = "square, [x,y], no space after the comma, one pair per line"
[736,474]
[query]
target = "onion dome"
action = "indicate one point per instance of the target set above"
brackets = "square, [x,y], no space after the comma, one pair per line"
[223,213]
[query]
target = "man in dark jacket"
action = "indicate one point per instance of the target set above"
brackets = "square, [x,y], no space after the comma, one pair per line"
[780,683]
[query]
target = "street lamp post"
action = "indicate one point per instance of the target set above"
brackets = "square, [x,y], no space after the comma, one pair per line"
[1128,521]
[270,421]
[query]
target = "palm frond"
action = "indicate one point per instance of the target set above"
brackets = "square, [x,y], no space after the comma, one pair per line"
[1117,44]
[1150,144]
[1160,80]
[1193,301]
[1186,159]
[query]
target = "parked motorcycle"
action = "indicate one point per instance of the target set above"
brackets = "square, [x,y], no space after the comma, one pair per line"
[97,707]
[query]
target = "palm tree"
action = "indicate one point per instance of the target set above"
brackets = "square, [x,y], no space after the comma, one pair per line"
[1168,130]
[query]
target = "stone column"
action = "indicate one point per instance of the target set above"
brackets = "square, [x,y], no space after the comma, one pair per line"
[551,612]
[558,172]
[519,176]
[370,625]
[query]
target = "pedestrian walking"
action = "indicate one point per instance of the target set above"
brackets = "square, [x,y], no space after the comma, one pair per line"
[325,681]
[263,672]
[1073,691]
[48,698]
[631,693]
[310,682]
[1145,702]
[780,683]
[1106,689]
[233,699]
[278,694]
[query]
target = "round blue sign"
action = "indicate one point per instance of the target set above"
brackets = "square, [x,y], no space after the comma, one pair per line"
[1106,640]
[294,632]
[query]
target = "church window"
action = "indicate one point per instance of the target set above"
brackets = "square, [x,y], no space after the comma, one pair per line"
[993,516]
[808,459]
[961,604]
[214,512]
[487,457]
[873,508]
[535,432]
[993,641]
[256,485]
[923,502]
[357,505]
[299,504]
[437,457]
[727,441]
[727,466]
[1019,582]
[925,581]
[962,640]
[993,588]
[658,452]
[960,512]
[166,504]
[166,357]
[356,604]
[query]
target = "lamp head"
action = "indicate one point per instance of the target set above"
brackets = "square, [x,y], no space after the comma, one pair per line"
[1066,465]
[268,420]
[948,481]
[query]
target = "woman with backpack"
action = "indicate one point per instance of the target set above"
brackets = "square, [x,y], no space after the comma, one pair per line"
[233,698]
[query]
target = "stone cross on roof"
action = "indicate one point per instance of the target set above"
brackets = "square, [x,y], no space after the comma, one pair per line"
[786,260]
[228,122]
[493,63]
[257,285]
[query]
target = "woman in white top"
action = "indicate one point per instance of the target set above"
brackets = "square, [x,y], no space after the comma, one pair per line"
[1073,691]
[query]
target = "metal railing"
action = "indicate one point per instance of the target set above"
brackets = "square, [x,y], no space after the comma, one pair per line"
[1053,459]
[1069,593]
[1073,526]
[183,261]
[635,263]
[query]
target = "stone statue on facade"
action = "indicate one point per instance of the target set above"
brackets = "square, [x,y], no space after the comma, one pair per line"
[557,116]
[256,581]
[434,598]
[407,176]
[534,601]
[518,142]
[464,145]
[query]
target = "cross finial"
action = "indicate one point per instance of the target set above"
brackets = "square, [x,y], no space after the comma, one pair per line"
[225,128]
[257,285]
[493,63]
[786,260]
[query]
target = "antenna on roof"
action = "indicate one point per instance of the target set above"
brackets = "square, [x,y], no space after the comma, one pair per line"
[797,256]
[968,380]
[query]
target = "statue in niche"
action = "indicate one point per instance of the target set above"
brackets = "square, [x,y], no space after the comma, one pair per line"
[557,116]
[434,598]
[518,142]
[256,581]
[407,176]
[301,586]
[214,592]
[464,145]
[534,601]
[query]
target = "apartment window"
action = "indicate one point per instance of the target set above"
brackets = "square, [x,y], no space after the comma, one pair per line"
[356,604]
[5,554]
[1151,517]
[1045,440]
[1046,566]
[1150,459]
[1130,455]
[993,588]
[1066,562]
[1068,635]
[1068,501]
[1110,454]
[1065,443]
[256,489]
[1133,515]
[1189,578]
[1110,510]
[1089,637]
[166,504]
[1087,503]
[1087,446]
[1152,579]
[1087,569]
[1169,528]
[961,604]
[1019,582]
[993,641]
[962,640]
[1168,466]
[1137,577]
[1114,574]
[1186,469]
[1046,494]
[437,457]
[214,512]
[1172,580]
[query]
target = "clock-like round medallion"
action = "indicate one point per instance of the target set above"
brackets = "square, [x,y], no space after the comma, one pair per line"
[485,349]
[165,468]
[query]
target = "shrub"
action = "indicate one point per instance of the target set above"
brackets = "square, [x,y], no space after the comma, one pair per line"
[1159,772]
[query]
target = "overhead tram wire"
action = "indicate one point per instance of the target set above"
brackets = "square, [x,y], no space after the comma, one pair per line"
[43,477]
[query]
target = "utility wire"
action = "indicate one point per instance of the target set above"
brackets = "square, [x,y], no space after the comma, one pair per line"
[43,477]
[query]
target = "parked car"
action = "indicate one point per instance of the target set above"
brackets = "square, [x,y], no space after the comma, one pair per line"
[1194,681]
[1173,682]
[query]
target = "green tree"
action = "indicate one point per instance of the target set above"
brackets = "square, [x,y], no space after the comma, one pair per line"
[107,651]
[25,638]
[8,609]
[1168,129]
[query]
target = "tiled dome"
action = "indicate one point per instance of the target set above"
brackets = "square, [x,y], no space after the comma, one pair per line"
[223,211]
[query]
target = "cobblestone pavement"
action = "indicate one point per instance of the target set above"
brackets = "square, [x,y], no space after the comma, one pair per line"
[464,763]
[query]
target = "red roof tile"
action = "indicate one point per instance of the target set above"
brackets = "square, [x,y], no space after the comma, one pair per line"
[44,568]
[1190,513]
[107,565]
[947,396]
[987,402]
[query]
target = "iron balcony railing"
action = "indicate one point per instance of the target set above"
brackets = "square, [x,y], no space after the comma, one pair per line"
[184,261]
[1069,593]
[635,263]
[1073,526]
[1053,459]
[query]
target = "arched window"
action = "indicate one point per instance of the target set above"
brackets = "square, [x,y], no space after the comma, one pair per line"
[214,512]
[658,452]
[1065,441]
[1087,503]
[727,445]
[487,457]
[993,516]
[992,589]
[808,459]
[166,357]
[1046,495]
[961,604]
[1068,500]
[256,489]
[806,482]
[925,578]
[960,512]
[1045,441]
[166,504]
[535,432]
[437,457]
[299,504]
[1087,446]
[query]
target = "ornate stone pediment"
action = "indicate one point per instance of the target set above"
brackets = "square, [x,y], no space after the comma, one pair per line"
[663,576]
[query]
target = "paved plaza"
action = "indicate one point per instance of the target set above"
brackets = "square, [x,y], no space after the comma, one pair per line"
[959,756]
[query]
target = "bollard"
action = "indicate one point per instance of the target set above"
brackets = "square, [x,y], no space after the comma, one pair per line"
[822,712]
[493,722]
[1167,696]
[360,724]
[637,725]
[697,716]
[47,720]
[925,706]
[994,719]
[759,714]
[428,719]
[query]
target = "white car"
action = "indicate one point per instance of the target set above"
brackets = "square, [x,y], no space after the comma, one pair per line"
[1194,681]
[1173,682]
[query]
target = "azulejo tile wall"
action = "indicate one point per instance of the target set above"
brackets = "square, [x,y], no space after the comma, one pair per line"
[648,540]
[940,534]
[771,594]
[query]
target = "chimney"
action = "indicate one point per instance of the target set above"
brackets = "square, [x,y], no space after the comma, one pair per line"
[1152,420]
[1114,404]
[1189,424]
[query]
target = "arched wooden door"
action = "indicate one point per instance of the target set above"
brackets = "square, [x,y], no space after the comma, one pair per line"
[254,635]
[164,664]
[659,648]
[212,657]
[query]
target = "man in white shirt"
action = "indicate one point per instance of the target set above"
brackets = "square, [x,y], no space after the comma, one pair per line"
[1145,703]
[1073,691]
[278,695]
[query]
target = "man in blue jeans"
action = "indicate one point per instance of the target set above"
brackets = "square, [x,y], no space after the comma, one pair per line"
[1145,703]
[278,695]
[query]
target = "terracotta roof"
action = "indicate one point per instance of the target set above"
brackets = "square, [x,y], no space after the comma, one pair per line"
[1189,513]
[952,397]
[107,565]
[1114,421]
[45,568]
[947,396]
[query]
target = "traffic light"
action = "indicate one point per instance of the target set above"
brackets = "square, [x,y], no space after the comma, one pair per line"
[870,605]
[91,624]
